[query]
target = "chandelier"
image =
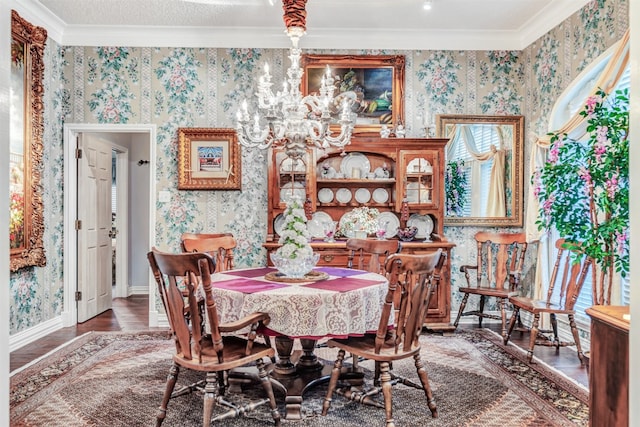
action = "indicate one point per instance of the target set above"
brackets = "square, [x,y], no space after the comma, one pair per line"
[286,118]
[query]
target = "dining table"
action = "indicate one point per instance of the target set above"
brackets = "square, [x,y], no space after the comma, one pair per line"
[328,303]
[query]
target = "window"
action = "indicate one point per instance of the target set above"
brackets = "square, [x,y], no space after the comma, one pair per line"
[564,109]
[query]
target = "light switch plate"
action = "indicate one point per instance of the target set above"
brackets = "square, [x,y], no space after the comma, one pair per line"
[164,196]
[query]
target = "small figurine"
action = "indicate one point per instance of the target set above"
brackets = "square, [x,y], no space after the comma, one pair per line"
[400,131]
[385,131]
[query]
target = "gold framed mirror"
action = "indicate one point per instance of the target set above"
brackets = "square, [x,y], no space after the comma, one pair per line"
[484,169]
[26,224]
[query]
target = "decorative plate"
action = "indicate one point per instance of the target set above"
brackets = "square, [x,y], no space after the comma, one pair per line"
[316,225]
[288,165]
[355,160]
[291,190]
[424,223]
[325,195]
[343,195]
[278,224]
[412,193]
[362,195]
[390,222]
[419,166]
[380,195]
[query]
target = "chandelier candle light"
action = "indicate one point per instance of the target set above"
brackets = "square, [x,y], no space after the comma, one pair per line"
[286,118]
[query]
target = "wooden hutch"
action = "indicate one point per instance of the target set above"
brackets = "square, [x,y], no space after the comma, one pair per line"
[378,173]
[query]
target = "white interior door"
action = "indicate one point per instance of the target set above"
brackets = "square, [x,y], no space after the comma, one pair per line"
[94,227]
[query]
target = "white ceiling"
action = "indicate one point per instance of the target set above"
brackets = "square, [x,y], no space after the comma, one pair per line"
[331,24]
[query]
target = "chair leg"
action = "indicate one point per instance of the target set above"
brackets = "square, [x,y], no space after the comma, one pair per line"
[424,379]
[333,381]
[385,380]
[534,336]
[463,303]
[266,383]
[576,337]
[171,383]
[554,328]
[503,316]
[481,311]
[512,322]
[210,395]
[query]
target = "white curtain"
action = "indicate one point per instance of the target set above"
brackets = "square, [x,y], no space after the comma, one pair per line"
[496,197]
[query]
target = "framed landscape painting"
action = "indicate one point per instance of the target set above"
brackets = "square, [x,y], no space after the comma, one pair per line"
[376,82]
[208,159]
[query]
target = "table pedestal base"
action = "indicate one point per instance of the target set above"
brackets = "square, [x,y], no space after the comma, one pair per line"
[295,372]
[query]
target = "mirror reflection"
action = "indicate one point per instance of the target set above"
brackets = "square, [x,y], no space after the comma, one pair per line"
[483,176]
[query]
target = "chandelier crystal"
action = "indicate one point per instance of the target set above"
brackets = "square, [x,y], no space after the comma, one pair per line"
[286,118]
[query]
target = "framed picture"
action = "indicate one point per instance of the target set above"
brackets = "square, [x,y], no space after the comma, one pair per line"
[376,80]
[208,159]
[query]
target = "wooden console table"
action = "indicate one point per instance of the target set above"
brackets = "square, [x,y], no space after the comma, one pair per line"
[609,366]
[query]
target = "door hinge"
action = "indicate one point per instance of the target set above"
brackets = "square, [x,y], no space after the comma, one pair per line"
[78,295]
[78,153]
[78,224]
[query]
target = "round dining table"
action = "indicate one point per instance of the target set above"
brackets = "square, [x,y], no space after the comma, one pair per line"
[345,302]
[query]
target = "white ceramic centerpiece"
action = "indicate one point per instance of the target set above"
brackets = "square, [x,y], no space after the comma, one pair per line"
[295,257]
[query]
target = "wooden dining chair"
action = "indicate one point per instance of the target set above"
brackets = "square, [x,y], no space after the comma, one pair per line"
[219,245]
[570,270]
[500,260]
[213,353]
[376,251]
[416,276]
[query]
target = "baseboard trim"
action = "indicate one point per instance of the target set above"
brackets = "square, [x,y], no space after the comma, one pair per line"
[22,338]
[137,290]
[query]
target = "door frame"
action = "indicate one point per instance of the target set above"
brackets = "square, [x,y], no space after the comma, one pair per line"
[70,244]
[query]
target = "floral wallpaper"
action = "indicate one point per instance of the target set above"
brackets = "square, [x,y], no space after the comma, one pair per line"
[198,87]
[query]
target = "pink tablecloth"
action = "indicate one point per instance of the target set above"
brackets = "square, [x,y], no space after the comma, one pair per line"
[348,303]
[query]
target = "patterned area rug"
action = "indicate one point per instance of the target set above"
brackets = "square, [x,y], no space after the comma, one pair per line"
[117,379]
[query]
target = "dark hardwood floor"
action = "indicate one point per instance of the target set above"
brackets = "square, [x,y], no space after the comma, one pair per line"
[132,314]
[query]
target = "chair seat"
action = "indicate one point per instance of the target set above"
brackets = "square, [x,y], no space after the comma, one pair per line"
[538,306]
[488,291]
[364,346]
[233,354]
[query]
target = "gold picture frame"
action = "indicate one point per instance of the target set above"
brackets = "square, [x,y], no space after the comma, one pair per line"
[208,159]
[378,80]
[27,128]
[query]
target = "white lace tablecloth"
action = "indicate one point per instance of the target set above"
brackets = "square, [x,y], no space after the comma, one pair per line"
[349,302]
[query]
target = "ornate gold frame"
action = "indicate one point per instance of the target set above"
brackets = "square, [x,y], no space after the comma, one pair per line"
[359,62]
[517,173]
[223,174]
[33,39]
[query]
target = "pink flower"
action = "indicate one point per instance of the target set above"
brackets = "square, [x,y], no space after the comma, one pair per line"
[591,104]
[585,175]
[612,186]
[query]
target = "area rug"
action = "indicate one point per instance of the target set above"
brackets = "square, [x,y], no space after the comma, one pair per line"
[117,379]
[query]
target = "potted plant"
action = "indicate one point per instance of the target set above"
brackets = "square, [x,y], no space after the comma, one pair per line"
[583,189]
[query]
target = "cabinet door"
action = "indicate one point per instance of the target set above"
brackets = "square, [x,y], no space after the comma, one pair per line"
[291,178]
[418,178]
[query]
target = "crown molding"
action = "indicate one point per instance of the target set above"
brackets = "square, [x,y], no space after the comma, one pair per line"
[270,37]
[542,23]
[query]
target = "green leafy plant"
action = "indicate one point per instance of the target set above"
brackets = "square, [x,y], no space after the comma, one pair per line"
[455,187]
[583,189]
